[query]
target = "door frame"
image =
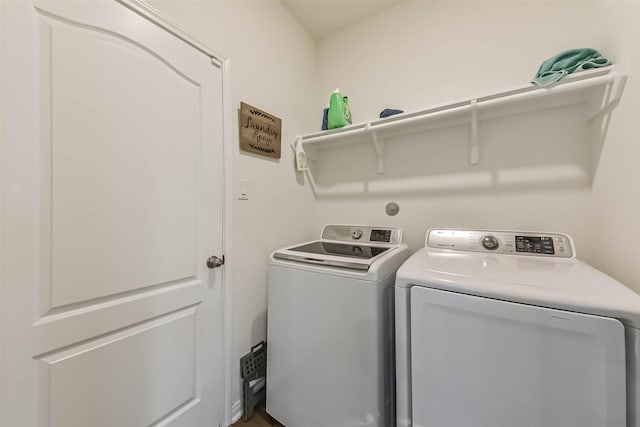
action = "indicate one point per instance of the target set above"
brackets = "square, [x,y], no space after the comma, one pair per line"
[150,13]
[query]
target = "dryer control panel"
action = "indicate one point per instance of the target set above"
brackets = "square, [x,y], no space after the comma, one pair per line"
[504,242]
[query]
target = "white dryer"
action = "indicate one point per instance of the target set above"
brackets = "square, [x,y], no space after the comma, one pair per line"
[504,329]
[330,328]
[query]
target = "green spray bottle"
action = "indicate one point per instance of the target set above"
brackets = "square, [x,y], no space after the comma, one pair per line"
[339,114]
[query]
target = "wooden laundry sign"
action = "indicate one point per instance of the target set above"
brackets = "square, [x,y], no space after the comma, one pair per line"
[260,132]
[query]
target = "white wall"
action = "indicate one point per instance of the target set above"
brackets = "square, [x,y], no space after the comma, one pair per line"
[535,170]
[272,68]
[616,188]
[421,53]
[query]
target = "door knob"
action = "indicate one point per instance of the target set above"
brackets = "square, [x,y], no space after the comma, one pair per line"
[213,261]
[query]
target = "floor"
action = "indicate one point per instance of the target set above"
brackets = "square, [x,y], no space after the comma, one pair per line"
[260,419]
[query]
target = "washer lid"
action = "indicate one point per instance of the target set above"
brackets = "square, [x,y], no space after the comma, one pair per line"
[354,247]
[345,255]
[340,249]
[566,284]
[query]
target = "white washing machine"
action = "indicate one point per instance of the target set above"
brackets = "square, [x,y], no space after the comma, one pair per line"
[330,328]
[505,329]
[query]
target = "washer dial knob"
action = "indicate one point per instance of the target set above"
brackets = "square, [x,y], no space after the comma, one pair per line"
[356,234]
[490,242]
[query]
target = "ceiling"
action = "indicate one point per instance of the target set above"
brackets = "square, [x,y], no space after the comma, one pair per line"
[323,17]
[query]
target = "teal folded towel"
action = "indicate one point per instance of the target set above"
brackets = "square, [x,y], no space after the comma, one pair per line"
[565,63]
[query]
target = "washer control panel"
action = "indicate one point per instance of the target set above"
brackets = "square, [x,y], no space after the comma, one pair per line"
[363,234]
[504,242]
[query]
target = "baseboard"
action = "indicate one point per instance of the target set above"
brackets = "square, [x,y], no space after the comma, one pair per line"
[236,411]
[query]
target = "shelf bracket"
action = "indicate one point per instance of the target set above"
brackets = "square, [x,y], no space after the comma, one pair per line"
[613,99]
[378,144]
[301,156]
[474,147]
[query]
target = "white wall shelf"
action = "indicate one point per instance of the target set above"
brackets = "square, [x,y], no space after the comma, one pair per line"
[601,89]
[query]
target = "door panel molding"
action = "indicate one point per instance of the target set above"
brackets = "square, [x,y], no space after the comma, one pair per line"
[64,329]
[160,377]
[62,311]
[52,20]
[157,239]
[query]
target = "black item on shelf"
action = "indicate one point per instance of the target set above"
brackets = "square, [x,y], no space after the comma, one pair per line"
[389,112]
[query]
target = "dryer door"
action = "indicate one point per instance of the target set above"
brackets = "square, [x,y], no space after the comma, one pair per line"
[487,363]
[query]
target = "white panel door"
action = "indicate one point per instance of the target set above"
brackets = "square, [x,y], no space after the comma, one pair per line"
[112,185]
[477,362]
